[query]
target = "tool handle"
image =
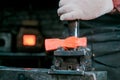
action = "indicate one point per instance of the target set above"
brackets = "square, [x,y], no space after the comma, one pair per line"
[73,28]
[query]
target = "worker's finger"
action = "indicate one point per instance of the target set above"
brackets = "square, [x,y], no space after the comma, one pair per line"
[63,2]
[65,9]
[71,16]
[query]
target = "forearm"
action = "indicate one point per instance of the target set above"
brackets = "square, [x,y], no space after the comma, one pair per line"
[116,6]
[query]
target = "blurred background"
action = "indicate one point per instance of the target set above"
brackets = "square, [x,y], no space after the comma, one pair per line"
[30,21]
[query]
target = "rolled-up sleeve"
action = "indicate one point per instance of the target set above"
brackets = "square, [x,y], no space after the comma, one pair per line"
[116,6]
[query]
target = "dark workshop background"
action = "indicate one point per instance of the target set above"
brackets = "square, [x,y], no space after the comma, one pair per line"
[13,12]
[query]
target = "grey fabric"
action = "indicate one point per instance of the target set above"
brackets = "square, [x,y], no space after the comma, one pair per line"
[103,36]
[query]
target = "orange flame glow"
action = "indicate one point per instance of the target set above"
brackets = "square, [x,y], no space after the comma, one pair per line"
[29,40]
